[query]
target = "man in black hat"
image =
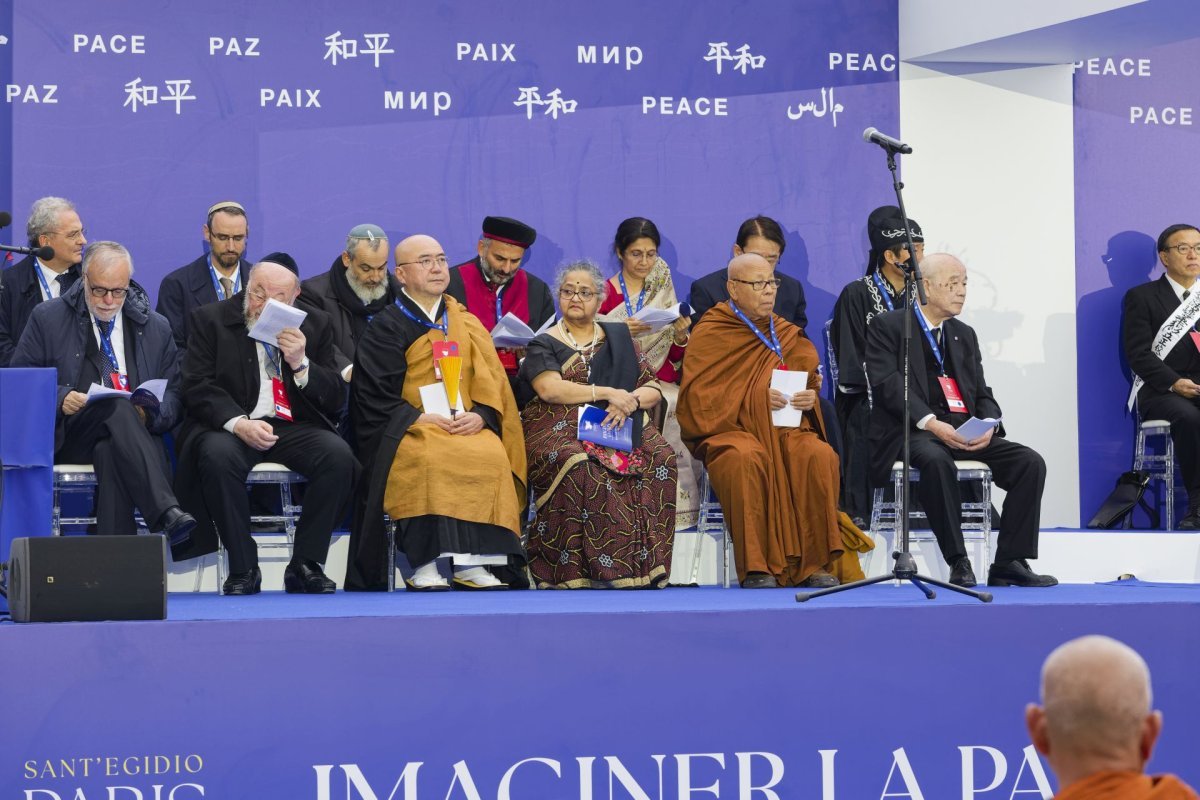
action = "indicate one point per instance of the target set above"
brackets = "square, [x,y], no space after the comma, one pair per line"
[356,288]
[493,284]
[880,291]
[217,275]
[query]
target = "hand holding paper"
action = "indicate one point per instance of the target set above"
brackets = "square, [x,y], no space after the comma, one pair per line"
[512,332]
[788,383]
[275,317]
[973,428]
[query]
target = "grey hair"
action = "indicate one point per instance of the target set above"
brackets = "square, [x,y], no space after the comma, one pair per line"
[44,215]
[582,265]
[373,243]
[254,268]
[103,253]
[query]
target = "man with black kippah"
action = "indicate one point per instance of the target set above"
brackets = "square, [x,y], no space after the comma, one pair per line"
[218,274]
[880,291]
[493,284]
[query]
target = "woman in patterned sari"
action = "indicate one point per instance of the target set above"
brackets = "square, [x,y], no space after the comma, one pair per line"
[644,281]
[605,518]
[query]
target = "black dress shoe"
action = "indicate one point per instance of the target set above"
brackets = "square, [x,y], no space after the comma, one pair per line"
[759,580]
[1017,573]
[249,582]
[307,577]
[176,524]
[820,580]
[961,573]
[1191,522]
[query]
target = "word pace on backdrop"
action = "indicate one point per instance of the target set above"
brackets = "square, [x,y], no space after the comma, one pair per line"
[427,117]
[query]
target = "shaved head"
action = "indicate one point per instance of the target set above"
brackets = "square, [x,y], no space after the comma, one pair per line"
[421,268]
[1096,709]
[740,266]
[936,266]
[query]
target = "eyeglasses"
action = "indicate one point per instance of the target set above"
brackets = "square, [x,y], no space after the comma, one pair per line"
[638,255]
[582,294]
[759,286]
[262,297]
[72,236]
[98,292]
[225,238]
[1184,249]
[426,262]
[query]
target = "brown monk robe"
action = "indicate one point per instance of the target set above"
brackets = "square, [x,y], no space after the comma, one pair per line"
[778,487]
[1127,786]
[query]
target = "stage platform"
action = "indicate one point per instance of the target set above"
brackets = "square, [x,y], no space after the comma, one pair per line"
[545,695]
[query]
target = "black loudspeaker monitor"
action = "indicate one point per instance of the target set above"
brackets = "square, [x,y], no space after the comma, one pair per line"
[87,578]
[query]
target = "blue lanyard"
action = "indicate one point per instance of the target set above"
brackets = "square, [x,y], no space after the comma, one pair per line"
[772,344]
[106,342]
[642,299]
[37,267]
[275,356]
[937,351]
[237,281]
[444,327]
[884,290]
[499,289]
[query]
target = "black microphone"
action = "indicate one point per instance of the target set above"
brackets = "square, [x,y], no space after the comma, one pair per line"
[885,141]
[43,253]
[5,219]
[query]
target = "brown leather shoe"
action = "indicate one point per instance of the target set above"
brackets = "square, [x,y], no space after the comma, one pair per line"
[820,580]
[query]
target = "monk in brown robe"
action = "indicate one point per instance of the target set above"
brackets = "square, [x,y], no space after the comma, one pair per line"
[1096,725]
[778,486]
[455,484]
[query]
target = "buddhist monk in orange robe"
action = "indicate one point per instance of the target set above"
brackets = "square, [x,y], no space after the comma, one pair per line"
[1096,725]
[778,486]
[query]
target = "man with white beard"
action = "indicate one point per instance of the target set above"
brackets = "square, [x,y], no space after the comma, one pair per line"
[356,288]
[249,402]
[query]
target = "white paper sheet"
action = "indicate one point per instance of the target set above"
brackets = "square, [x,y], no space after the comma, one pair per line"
[973,428]
[659,318]
[155,386]
[98,392]
[435,401]
[789,383]
[512,332]
[275,317]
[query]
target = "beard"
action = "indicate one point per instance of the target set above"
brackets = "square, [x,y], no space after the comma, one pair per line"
[246,315]
[495,278]
[368,294]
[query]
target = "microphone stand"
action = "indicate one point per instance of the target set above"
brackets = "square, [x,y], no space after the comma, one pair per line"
[906,566]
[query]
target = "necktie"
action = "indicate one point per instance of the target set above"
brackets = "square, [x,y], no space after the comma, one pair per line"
[110,367]
[937,335]
[64,283]
[227,287]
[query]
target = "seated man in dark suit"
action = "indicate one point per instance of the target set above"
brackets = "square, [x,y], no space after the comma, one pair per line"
[217,275]
[356,288]
[102,331]
[249,402]
[1159,319]
[52,223]
[947,389]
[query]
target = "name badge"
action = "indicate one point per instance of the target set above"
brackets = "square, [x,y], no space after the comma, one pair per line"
[508,360]
[954,399]
[120,381]
[440,351]
[283,409]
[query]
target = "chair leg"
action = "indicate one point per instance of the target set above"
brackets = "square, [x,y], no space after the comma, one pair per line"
[56,519]
[1170,481]
[389,528]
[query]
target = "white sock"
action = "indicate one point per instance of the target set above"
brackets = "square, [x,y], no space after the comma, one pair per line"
[427,574]
[476,575]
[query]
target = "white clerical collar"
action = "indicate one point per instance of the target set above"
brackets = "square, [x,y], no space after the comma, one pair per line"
[429,312]
[1178,288]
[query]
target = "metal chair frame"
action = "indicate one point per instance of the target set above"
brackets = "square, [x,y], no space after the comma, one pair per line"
[1161,466]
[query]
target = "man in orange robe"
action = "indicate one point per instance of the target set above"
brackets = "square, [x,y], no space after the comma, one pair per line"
[1096,725]
[778,486]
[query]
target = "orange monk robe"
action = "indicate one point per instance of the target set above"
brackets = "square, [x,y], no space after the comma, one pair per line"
[778,487]
[478,478]
[1114,785]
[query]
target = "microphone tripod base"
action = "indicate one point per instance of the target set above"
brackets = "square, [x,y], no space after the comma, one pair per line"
[905,570]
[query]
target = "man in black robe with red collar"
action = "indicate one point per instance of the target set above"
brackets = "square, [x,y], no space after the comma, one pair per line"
[493,284]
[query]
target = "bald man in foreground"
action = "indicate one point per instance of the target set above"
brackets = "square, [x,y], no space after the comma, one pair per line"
[1096,725]
[777,485]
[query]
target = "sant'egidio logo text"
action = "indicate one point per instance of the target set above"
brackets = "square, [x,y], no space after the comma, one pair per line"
[141,777]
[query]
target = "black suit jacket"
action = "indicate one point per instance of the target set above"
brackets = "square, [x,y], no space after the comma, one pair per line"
[184,290]
[706,292]
[885,370]
[1146,309]
[317,293]
[221,381]
[20,293]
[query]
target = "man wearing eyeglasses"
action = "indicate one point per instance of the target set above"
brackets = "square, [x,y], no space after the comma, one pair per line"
[54,223]
[1163,351]
[947,388]
[357,287]
[217,275]
[493,284]
[444,459]
[101,332]
[778,484]
[249,401]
